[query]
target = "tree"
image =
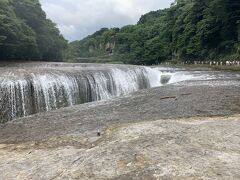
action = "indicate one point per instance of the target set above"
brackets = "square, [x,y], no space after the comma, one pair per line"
[188,30]
[26,34]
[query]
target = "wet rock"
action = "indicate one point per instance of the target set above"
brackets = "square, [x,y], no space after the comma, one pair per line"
[189,130]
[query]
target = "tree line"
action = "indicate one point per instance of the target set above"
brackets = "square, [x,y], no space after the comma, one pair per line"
[26,33]
[188,30]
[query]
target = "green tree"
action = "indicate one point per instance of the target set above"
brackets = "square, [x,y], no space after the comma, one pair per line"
[188,30]
[26,34]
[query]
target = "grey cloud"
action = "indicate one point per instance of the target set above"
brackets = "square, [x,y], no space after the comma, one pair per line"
[78,18]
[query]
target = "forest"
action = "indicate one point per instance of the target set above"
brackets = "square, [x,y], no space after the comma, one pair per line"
[26,33]
[188,30]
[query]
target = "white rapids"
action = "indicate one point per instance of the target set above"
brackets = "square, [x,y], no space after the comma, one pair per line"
[31,90]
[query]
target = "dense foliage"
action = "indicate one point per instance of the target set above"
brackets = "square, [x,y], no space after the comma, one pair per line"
[26,33]
[188,30]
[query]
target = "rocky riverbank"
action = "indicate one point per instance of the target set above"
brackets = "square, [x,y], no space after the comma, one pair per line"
[185,130]
[193,148]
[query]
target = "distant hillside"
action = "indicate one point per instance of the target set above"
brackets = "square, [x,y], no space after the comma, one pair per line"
[188,30]
[26,34]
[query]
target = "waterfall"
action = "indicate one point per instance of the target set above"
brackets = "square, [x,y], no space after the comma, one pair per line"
[44,90]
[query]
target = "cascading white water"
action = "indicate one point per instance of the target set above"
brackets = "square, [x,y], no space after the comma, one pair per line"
[44,91]
[29,90]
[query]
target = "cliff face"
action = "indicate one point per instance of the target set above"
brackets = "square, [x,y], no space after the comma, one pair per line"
[103,48]
[109,47]
[100,44]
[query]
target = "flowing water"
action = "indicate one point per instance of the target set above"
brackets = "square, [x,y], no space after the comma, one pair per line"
[34,88]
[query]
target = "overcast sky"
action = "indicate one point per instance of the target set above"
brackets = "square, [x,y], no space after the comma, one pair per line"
[78,18]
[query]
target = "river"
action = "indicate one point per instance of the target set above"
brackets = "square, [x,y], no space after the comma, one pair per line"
[30,88]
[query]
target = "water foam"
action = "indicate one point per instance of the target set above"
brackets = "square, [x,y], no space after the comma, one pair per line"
[45,91]
[40,91]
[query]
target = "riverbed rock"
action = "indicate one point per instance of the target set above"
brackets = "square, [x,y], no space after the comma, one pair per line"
[187,130]
[188,148]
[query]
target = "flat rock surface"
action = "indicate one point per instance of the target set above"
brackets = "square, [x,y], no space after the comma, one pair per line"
[188,130]
[189,99]
[188,148]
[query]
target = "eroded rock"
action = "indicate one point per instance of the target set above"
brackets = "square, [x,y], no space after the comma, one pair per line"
[200,148]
